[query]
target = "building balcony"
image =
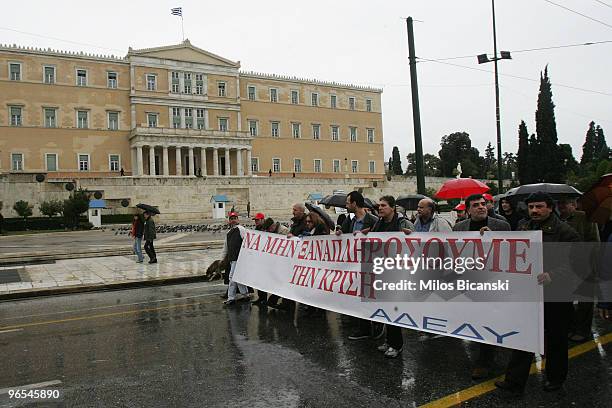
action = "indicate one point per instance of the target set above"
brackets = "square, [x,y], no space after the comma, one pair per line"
[177,132]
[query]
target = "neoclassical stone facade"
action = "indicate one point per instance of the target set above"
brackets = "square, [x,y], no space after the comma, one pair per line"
[179,111]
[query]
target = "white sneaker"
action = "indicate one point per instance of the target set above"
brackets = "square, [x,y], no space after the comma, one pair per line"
[383,348]
[392,353]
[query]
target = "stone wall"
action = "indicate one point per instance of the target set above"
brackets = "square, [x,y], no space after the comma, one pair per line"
[188,199]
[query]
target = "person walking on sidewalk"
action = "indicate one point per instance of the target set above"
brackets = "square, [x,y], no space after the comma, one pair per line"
[149,236]
[231,250]
[136,233]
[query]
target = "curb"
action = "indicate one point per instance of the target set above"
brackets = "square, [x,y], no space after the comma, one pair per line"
[65,290]
[19,258]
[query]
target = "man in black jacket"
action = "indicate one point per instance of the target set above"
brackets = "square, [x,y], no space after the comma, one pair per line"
[362,220]
[298,222]
[556,314]
[231,250]
[149,237]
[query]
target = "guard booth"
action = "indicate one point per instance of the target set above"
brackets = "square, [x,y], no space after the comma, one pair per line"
[314,198]
[94,213]
[219,204]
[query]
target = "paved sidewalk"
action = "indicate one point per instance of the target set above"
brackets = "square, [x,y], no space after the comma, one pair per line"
[83,274]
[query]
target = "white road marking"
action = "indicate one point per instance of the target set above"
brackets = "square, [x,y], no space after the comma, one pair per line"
[10,331]
[30,386]
[119,305]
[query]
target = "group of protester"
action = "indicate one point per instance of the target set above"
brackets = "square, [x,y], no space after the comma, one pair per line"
[562,320]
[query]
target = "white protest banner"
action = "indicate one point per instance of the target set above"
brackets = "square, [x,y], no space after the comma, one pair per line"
[463,285]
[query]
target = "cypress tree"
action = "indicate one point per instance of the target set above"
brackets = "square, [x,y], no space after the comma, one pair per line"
[549,162]
[532,162]
[602,151]
[397,162]
[523,155]
[588,148]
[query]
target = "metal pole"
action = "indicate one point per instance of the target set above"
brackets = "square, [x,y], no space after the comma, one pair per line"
[416,113]
[497,114]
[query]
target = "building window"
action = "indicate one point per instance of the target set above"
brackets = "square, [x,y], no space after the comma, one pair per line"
[276,165]
[351,103]
[113,120]
[316,132]
[368,105]
[221,88]
[332,101]
[297,165]
[372,166]
[275,129]
[113,162]
[273,95]
[83,162]
[49,75]
[152,119]
[254,164]
[354,166]
[314,99]
[176,118]
[82,119]
[295,97]
[187,82]
[251,93]
[317,166]
[370,135]
[81,77]
[111,80]
[253,127]
[188,118]
[51,161]
[151,82]
[176,82]
[335,133]
[353,133]
[17,161]
[200,118]
[199,84]
[223,124]
[336,165]
[295,130]
[15,71]
[16,118]
[50,120]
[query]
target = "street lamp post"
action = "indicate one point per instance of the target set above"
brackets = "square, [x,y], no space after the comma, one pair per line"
[482,59]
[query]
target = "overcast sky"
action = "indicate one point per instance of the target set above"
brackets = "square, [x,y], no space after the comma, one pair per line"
[364,42]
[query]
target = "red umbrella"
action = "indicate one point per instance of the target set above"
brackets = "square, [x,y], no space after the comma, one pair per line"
[460,188]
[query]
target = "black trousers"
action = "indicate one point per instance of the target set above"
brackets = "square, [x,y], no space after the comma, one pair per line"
[486,355]
[556,323]
[150,250]
[582,318]
[261,295]
[394,337]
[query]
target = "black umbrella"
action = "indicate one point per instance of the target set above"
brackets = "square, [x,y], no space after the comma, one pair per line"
[409,201]
[339,200]
[148,208]
[324,216]
[557,191]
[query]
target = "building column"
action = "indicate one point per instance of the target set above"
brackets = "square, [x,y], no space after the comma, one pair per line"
[165,160]
[239,170]
[179,167]
[191,172]
[215,161]
[151,160]
[228,167]
[139,163]
[203,160]
[249,166]
[206,120]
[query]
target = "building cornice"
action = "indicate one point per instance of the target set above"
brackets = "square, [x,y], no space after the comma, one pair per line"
[285,78]
[64,54]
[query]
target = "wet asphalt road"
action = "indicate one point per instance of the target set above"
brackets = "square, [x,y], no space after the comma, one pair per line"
[177,346]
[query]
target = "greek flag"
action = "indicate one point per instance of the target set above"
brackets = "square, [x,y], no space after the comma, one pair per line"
[177,11]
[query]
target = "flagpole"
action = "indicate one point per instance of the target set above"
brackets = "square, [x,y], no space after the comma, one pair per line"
[182,27]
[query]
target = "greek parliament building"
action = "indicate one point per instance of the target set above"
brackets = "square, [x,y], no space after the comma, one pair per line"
[179,111]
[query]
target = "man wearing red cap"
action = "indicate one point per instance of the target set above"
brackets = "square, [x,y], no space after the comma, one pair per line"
[231,250]
[259,220]
[491,209]
[460,209]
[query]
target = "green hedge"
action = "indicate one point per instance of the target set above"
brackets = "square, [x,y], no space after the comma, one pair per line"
[36,223]
[117,218]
